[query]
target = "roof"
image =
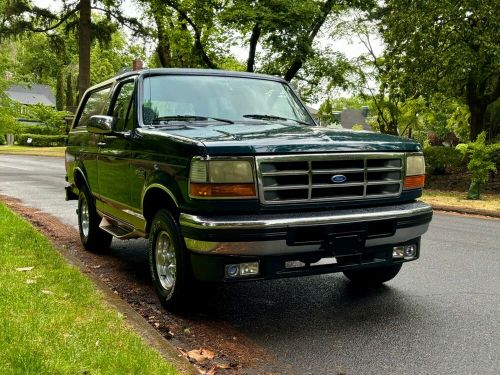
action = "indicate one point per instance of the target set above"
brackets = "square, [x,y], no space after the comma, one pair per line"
[33,94]
[186,71]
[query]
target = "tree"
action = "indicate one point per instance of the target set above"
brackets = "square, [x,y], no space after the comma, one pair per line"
[448,47]
[279,36]
[21,16]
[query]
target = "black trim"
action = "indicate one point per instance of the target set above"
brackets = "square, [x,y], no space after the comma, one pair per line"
[207,267]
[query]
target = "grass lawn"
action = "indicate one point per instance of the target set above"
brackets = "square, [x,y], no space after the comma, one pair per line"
[489,202]
[53,320]
[36,151]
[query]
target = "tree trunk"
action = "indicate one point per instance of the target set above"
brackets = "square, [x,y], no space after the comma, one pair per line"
[69,93]
[163,46]
[84,41]
[477,108]
[59,93]
[254,38]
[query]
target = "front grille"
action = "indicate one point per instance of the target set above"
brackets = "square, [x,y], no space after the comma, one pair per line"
[311,178]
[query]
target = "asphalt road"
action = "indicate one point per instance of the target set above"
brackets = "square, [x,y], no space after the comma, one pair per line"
[441,315]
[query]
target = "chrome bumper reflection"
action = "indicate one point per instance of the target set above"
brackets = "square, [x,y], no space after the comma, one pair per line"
[239,223]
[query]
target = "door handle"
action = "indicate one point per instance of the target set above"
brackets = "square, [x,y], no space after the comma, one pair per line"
[101,144]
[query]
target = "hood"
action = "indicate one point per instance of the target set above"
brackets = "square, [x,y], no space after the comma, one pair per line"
[267,138]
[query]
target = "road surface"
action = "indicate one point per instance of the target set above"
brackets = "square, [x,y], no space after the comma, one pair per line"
[441,315]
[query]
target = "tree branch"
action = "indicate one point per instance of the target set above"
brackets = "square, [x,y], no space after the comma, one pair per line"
[316,26]
[197,33]
[57,24]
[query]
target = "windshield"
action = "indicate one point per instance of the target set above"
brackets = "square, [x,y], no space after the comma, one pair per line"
[215,97]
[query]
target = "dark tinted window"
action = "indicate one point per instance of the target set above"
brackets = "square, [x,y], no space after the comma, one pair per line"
[96,104]
[123,108]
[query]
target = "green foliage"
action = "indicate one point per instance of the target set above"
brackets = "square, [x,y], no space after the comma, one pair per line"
[481,162]
[53,319]
[440,160]
[445,47]
[41,140]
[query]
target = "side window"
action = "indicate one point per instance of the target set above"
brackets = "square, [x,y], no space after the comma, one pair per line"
[124,107]
[96,104]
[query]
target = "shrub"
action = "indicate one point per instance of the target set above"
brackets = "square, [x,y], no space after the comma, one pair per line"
[440,160]
[36,129]
[41,140]
[2,139]
[481,162]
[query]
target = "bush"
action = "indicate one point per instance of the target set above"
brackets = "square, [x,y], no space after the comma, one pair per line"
[440,160]
[2,139]
[36,129]
[481,164]
[41,140]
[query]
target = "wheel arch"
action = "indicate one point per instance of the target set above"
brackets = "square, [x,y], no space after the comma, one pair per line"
[156,197]
[79,178]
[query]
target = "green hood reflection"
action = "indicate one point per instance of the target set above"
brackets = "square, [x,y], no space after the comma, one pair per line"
[265,138]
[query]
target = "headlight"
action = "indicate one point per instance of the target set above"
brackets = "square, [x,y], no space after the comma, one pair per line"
[415,172]
[222,179]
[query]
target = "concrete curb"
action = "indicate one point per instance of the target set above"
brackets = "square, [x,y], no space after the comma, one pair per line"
[466,211]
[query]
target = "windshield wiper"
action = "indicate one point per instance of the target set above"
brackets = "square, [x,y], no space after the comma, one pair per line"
[186,118]
[273,117]
[189,118]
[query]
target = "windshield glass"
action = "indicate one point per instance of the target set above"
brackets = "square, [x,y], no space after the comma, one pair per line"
[215,97]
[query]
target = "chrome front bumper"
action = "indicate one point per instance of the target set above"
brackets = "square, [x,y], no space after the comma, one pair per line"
[400,214]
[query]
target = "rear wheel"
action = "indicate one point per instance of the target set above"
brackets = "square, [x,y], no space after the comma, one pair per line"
[93,238]
[373,276]
[169,262]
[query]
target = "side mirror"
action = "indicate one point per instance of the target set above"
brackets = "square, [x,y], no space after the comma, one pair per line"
[101,124]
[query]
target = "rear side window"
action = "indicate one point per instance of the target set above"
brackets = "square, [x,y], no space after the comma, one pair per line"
[123,110]
[96,104]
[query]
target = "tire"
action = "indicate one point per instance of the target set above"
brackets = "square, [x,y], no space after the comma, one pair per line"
[169,262]
[373,276]
[93,238]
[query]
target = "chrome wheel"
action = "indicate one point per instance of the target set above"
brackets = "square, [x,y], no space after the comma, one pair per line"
[165,260]
[84,217]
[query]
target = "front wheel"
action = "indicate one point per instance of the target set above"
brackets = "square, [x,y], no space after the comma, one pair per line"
[169,262]
[373,276]
[93,238]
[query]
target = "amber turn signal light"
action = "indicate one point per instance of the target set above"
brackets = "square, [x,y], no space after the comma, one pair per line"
[222,190]
[413,182]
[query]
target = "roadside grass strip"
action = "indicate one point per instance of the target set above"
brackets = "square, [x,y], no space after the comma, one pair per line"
[53,320]
[488,201]
[35,151]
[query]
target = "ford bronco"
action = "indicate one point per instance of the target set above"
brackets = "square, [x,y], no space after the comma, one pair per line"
[230,179]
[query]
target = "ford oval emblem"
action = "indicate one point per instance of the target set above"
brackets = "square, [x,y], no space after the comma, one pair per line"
[338,178]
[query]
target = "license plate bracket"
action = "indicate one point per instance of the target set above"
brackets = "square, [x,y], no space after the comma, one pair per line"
[339,244]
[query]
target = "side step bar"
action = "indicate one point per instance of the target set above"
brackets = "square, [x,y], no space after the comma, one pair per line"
[118,229]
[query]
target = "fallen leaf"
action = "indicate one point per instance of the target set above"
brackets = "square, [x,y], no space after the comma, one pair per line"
[96,267]
[223,366]
[45,291]
[187,331]
[30,281]
[24,269]
[200,355]
[212,371]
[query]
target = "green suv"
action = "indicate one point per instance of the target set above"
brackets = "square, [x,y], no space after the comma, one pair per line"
[230,179]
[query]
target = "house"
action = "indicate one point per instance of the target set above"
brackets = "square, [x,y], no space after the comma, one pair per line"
[31,95]
[28,96]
